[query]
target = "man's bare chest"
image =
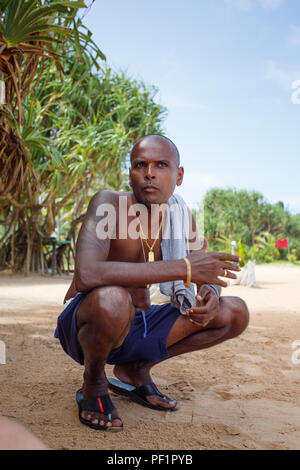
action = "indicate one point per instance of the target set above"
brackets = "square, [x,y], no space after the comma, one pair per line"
[135,251]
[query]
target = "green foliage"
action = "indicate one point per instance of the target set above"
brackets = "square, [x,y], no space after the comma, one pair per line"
[252,222]
[292,257]
[72,129]
[241,253]
[79,131]
[84,126]
[264,250]
[241,215]
[25,21]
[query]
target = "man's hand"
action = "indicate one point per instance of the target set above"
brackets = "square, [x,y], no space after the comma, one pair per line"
[208,266]
[207,306]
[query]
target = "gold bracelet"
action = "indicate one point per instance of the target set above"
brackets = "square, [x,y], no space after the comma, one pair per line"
[189,272]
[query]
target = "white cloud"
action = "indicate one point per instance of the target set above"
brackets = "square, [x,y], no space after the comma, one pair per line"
[281,76]
[294,36]
[180,104]
[179,101]
[292,202]
[271,4]
[196,183]
[246,5]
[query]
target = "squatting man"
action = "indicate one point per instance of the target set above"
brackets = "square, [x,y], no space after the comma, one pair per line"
[108,317]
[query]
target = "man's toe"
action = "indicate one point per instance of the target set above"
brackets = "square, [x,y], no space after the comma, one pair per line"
[165,402]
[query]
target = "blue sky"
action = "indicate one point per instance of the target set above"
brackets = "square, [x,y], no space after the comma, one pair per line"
[224,70]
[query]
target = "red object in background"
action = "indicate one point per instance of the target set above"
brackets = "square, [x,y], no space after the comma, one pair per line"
[282,243]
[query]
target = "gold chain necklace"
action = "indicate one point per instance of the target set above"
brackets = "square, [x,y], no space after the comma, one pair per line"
[151,252]
[151,258]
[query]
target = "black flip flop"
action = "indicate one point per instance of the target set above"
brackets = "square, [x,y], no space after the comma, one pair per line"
[101,404]
[139,394]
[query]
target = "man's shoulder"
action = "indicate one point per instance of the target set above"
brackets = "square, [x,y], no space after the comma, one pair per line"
[109,196]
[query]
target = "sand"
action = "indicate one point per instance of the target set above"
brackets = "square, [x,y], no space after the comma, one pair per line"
[242,394]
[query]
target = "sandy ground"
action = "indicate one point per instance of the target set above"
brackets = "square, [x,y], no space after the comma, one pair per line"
[242,394]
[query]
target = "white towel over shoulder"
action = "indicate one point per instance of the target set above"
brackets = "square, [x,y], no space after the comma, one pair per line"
[175,245]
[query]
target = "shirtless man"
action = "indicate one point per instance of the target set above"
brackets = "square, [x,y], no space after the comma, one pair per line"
[107,320]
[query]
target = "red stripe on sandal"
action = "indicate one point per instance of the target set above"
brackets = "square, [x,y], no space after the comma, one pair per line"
[100,405]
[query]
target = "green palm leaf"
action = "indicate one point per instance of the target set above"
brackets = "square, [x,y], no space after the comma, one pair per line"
[23,21]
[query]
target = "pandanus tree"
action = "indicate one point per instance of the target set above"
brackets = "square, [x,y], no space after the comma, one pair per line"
[32,33]
[74,135]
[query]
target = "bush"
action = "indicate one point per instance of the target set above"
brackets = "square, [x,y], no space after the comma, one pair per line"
[295,247]
[292,257]
[264,250]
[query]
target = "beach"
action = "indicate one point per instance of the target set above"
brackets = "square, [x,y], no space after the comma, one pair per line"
[241,394]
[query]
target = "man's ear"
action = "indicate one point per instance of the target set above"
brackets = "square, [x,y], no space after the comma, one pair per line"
[130,182]
[180,173]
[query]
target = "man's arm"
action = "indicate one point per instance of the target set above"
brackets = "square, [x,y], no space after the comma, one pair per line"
[93,270]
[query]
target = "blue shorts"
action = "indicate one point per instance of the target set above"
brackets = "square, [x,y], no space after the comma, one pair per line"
[146,339]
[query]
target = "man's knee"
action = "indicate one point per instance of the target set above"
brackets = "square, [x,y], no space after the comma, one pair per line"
[240,316]
[109,305]
[111,298]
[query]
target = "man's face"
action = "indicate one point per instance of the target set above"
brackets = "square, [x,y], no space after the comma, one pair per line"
[154,172]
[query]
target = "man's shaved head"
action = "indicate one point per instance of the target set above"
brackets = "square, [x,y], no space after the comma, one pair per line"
[155,170]
[156,138]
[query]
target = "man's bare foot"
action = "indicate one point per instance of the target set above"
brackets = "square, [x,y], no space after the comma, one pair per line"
[109,420]
[138,374]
